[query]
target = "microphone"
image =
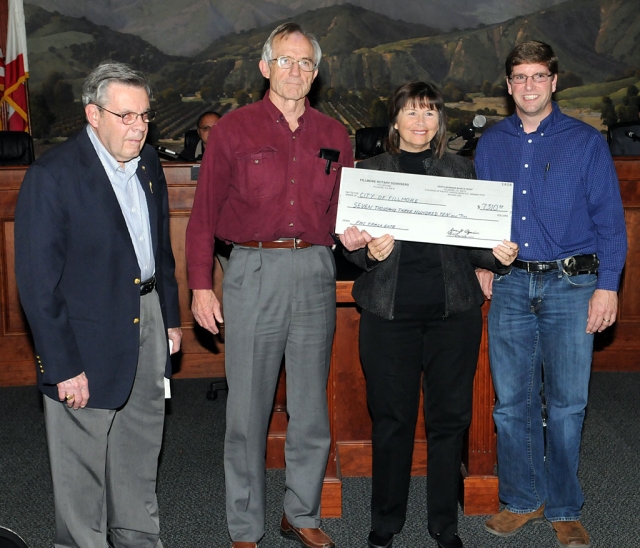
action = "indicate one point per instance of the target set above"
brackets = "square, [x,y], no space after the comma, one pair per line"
[469,132]
[631,135]
[167,151]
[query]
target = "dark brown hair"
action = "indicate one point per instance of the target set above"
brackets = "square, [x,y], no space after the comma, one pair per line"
[530,53]
[418,94]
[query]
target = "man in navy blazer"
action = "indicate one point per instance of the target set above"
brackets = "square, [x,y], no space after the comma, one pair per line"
[95,271]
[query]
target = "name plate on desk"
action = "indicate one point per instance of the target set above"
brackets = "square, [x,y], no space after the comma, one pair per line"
[422,208]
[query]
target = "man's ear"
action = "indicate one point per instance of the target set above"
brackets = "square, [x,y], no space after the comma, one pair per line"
[264,69]
[92,112]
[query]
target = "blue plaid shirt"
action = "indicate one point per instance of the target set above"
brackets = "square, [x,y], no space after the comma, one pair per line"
[566,196]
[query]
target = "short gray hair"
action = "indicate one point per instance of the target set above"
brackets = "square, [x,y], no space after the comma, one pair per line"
[286,29]
[94,88]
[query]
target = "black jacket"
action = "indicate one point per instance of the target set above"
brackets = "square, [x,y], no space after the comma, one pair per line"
[375,288]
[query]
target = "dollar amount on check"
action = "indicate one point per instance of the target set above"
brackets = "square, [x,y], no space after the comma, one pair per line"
[421,208]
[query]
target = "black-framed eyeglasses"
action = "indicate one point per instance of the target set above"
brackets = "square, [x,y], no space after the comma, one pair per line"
[284,62]
[538,78]
[129,118]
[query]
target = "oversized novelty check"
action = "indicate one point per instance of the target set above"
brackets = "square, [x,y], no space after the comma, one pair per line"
[421,208]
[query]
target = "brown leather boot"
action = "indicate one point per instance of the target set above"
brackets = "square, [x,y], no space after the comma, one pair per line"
[507,523]
[571,534]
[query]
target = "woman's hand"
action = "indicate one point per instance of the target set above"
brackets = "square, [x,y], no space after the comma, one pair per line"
[378,249]
[506,252]
[485,278]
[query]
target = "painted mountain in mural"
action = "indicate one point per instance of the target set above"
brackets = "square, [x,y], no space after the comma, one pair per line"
[365,53]
[185,27]
[596,39]
[442,14]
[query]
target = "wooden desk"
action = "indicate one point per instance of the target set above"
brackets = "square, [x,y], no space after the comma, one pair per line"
[203,355]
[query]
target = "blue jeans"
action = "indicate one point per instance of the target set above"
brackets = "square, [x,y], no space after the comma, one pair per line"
[538,321]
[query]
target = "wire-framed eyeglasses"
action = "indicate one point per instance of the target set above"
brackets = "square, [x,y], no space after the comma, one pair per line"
[284,62]
[538,78]
[129,118]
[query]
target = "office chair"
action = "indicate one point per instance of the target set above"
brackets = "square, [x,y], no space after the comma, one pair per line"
[624,138]
[9,539]
[16,148]
[371,141]
[191,138]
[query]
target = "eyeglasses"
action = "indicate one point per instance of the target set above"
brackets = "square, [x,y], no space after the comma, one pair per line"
[538,78]
[284,62]
[129,118]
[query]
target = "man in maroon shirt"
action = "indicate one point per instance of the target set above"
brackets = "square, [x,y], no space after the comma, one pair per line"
[266,185]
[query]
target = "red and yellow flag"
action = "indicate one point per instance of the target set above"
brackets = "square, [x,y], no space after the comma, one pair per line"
[16,69]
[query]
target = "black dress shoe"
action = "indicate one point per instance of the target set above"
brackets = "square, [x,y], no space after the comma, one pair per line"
[380,541]
[449,542]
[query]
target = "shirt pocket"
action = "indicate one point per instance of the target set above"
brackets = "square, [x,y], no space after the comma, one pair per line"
[324,183]
[259,173]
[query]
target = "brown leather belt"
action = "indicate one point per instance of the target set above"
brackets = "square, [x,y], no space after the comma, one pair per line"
[283,243]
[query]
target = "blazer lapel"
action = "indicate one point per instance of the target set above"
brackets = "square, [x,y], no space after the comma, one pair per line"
[105,193]
[149,192]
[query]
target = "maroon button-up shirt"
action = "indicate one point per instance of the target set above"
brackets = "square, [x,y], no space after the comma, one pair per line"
[261,181]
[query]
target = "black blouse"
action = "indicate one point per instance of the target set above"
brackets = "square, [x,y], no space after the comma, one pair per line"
[420,278]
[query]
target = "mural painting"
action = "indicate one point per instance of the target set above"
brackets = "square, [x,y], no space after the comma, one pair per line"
[203,55]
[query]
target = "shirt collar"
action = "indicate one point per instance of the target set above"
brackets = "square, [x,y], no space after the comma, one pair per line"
[277,116]
[548,122]
[110,164]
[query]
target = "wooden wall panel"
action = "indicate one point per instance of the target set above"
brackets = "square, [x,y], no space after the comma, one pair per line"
[17,365]
[15,321]
[618,348]
[203,355]
[480,447]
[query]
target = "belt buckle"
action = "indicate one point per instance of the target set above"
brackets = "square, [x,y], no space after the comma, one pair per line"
[295,243]
[569,265]
[581,264]
[148,286]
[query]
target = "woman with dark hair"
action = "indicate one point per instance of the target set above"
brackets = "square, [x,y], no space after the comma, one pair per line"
[421,318]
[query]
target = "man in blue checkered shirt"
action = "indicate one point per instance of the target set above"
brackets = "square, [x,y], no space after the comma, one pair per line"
[569,223]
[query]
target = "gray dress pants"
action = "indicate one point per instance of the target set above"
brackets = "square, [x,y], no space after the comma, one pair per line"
[104,462]
[277,302]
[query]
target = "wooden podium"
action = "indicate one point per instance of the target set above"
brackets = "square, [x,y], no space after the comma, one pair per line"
[203,355]
[351,425]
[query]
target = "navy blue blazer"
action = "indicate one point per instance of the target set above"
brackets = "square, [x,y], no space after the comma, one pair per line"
[77,271]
